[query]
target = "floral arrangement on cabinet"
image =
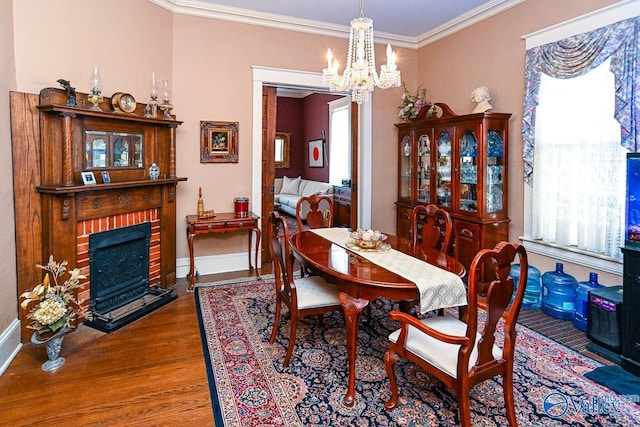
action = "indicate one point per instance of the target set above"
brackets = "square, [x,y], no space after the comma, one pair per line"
[412,103]
[53,302]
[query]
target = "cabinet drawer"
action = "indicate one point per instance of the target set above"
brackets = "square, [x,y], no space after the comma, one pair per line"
[466,241]
[226,225]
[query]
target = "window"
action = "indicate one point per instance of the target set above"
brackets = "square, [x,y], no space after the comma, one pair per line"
[573,169]
[339,140]
[578,196]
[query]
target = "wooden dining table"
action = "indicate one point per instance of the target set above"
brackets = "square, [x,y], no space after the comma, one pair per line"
[360,280]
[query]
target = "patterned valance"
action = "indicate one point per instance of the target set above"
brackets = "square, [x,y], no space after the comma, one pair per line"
[577,55]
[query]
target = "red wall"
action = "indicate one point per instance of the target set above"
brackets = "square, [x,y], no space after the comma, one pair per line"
[305,119]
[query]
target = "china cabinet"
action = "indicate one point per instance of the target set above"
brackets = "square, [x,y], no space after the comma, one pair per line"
[458,162]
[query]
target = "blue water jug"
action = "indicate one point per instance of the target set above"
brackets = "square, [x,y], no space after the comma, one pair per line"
[558,293]
[580,309]
[533,290]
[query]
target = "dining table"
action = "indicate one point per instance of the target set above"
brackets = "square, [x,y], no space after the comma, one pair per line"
[431,276]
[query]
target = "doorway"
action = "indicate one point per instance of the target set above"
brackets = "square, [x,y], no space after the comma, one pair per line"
[263,156]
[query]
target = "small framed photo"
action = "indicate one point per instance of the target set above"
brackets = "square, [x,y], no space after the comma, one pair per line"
[316,153]
[88,178]
[218,142]
[105,177]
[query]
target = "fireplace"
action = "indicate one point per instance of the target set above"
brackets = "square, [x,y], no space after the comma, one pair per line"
[119,273]
[57,214]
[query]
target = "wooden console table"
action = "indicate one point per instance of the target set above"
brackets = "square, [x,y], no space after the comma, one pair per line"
[226,222]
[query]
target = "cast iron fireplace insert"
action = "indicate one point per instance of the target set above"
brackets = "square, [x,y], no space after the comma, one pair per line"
[119,278]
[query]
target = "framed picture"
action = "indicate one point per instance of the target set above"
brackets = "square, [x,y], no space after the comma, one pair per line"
[88,178]
[105,177]
[316,153]
[218,142]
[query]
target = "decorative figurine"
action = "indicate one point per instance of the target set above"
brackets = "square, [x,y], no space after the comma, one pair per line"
[66,85]
[482,97]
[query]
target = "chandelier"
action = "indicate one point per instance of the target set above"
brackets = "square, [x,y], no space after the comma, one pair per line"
[360,74]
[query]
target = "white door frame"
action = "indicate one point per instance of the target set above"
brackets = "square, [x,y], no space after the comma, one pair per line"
[309,80]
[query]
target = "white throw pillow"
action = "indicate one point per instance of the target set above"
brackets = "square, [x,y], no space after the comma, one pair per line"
[290,185]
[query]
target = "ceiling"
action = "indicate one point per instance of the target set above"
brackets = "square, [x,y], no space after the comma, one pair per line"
[407,23]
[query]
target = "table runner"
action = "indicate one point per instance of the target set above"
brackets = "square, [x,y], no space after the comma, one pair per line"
[438,288]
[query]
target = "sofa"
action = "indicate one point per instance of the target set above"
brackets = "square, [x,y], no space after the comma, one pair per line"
[287,192]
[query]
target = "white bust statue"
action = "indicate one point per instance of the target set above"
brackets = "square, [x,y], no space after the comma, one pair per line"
[481,96]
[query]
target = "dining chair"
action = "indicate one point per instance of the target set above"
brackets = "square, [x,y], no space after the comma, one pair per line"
[464,352]
[432,225]
[305,296]
[317,217]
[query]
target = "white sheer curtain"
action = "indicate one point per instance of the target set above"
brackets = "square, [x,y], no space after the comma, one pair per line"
[579,178]
[340,140]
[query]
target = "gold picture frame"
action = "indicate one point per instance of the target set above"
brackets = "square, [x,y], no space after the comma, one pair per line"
[218,142]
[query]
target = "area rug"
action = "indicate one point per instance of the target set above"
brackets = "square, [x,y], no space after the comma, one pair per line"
[249,386]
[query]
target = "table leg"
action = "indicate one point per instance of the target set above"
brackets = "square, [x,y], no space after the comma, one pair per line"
[249,251]
[258,234]
[192,275]
[352,308]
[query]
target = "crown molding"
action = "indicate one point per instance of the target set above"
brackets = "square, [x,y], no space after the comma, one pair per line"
[252,17]
[465,20]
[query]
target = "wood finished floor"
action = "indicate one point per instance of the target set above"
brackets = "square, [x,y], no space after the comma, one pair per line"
[149,373]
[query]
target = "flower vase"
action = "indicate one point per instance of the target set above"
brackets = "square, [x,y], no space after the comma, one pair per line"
[53,345]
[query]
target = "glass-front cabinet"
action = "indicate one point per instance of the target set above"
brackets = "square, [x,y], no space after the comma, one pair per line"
[458,162]
[406,161]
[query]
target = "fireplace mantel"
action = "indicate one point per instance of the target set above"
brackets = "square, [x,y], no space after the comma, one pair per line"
[54,209]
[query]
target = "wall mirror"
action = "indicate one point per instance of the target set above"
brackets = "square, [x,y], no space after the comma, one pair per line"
[282,150]
[113,150]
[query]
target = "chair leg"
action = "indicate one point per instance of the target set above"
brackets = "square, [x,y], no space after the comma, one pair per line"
[276,322]
[464,407]
[509,403]
[292,338]
[390,359]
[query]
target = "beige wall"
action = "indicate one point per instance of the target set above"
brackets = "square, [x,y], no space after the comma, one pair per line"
[492,53]
[8,286]
[209,65]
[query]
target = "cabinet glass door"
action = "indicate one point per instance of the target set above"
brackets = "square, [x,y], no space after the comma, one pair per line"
[495,171]
[405,167]
[468,166]
[424,169]
[443,169]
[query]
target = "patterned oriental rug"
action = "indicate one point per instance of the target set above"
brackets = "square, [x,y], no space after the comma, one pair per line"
[249,386]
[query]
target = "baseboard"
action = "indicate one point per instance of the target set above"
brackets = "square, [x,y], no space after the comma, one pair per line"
[10,345]
[214,264]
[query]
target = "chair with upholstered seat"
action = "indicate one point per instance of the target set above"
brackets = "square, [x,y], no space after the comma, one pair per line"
[320,213]
[463,352]
[432,225]
[306,296]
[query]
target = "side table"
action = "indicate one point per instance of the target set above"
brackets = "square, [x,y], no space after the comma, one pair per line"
[226,222]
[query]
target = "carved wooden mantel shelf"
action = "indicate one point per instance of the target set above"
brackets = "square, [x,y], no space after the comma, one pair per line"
[60,189]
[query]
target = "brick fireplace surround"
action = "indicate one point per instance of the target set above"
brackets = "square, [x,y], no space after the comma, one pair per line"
[114,222]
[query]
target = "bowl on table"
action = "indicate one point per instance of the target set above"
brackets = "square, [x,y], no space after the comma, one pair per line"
[368,239]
